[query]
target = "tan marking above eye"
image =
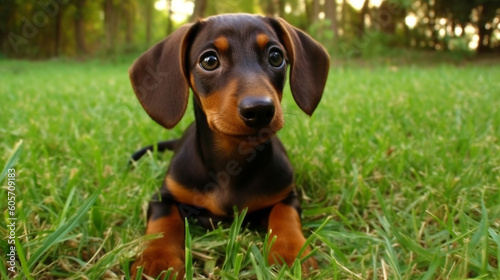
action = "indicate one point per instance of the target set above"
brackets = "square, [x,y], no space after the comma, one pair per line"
[262,40]
[221,43]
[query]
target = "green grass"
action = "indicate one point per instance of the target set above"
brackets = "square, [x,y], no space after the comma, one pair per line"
[398,169]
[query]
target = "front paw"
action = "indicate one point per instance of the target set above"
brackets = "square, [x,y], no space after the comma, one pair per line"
[286,251]
[155,261]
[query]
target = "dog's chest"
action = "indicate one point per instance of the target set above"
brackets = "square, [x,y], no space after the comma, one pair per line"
[234,183]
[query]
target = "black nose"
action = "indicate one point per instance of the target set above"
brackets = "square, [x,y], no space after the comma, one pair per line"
[256,112]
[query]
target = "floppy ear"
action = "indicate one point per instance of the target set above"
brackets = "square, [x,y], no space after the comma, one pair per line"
[159,80]
[309,65]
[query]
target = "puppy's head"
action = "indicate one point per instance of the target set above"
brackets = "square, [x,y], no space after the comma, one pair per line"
[236,66]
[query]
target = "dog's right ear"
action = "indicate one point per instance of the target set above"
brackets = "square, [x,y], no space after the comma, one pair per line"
[310,64]
[159,78]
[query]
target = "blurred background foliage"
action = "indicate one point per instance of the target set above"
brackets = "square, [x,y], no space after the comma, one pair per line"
[39,29]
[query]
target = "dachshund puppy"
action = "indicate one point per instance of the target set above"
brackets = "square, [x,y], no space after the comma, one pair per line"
[230,157]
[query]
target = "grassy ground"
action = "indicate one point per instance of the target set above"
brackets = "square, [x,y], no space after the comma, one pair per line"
[399,172]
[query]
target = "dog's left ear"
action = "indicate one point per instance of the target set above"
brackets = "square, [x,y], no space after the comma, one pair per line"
[309,65]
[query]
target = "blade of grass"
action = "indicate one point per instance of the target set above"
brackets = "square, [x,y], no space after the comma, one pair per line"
[189,255]
[267,246]
[443,224]
[3,270]
[22,259]
[62,217]
[282,273]
[139,273]
[233,245]
[12,160]
[311,237]
[297,269]
[496,238]
[392,258]
[480,239]
[434,264]
[261,270]
[57,235]
[237,263]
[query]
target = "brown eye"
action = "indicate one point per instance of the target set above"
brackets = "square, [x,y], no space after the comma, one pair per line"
[209,61]
[276,57]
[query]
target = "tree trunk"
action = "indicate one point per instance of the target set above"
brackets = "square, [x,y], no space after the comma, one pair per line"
[200,7]
[270,8]
[128,10]
[344,20]
[484,38]
[281,8]
[386,19]
[149,20]
[331,14]
[362,13]
[407,33]
[57,32]
[111,25]
[312,11]
[315,11]
[79,22]
[434,40]
[169,17]
[7,17]
[485,16]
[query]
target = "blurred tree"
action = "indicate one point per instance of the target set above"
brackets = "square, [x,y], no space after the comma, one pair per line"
[7,10]
[128,12]
[110,8]
[169,17]
[36,28]
[276,7]
[312,11]
[148,4]
[360,30]
[389,18]
[79,23]
[315,11]
[331,14]
[480,13]
[57,30]
[486,11]
[344,15]
[199,10]
[269,7]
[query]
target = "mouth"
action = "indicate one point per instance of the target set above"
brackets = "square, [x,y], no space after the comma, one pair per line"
[249,135]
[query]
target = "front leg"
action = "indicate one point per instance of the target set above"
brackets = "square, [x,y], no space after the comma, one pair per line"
[285,224]
[167,251]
